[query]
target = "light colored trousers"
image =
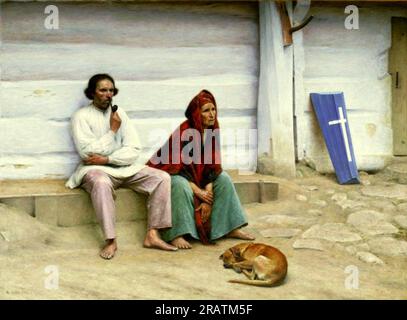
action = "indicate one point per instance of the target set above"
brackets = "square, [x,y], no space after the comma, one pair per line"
[153,182]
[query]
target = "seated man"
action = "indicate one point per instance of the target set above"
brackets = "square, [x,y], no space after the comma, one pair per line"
[109,147]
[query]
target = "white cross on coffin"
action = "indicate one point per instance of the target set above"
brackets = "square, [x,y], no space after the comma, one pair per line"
[342,122]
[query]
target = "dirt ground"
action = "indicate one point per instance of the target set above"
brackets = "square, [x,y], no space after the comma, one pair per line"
[43,262]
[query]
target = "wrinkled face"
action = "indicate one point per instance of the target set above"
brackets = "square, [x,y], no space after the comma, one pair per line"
[103,94]
[208,114]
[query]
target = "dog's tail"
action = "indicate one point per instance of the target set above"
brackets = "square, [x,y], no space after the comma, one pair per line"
[261,283]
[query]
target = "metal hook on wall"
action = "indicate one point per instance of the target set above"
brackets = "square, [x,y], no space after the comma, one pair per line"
[286,26]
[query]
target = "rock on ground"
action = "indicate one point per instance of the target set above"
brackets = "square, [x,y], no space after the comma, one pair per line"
[315,212]
[312,244]
[371,222]
[301,197]
[351,204]
[353,249]
[339,197]
[369,257]
[319,203]
[388,246]
[337,232]
[402,207]
[310,188]
[397,172]
[392,191]
[401,221]
[383,204]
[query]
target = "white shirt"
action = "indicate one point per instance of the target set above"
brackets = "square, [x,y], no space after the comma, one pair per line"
[91,134]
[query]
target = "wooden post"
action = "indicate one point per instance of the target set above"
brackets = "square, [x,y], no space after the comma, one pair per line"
[285,24]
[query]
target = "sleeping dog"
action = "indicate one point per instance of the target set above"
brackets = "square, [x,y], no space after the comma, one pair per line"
[264,265]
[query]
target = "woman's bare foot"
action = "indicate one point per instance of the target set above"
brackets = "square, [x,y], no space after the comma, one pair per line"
[239,234]
[181,243]
[109,249]
[153,240]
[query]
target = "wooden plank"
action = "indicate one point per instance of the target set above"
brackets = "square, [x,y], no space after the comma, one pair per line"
[134,24]
[38,136]
[59,99]
[360,3]
[58,166]
[327,29]
[371,135]
[398,69]
[370,95]
[351,63]
[43,166]
[77,62]
[285,23]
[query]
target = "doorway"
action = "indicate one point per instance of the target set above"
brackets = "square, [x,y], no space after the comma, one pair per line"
[398,70]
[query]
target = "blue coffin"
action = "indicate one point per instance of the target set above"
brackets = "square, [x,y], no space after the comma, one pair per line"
[332,117]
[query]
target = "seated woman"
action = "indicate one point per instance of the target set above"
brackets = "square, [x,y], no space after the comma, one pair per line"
[204,201]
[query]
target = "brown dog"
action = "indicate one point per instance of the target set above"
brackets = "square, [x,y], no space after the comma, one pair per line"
[267,264]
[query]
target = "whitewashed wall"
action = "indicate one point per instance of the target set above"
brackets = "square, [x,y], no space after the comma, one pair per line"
[161,55]
[328,57]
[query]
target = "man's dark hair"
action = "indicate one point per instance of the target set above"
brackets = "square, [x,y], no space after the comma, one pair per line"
[91,89]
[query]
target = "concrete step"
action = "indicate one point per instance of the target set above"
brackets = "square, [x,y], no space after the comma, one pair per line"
[52,203]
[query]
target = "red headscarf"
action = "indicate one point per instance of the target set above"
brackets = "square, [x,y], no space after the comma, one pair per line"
[170,158]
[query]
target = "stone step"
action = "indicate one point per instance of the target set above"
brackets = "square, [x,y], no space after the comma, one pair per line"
[52,203]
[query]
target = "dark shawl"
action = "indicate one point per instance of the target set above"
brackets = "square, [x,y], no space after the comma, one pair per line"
[169,157]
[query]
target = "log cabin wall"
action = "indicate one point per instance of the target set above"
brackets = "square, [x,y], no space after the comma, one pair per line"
[160,54]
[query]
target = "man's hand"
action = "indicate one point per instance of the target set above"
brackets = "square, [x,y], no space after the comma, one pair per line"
[96,159]
[115,121]
[206,210]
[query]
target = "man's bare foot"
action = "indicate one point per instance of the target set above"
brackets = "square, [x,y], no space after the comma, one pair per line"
[153,240]
[239,234]
[109,249]
[181,243]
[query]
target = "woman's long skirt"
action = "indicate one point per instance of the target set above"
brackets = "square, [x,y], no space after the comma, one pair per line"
[227,212]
